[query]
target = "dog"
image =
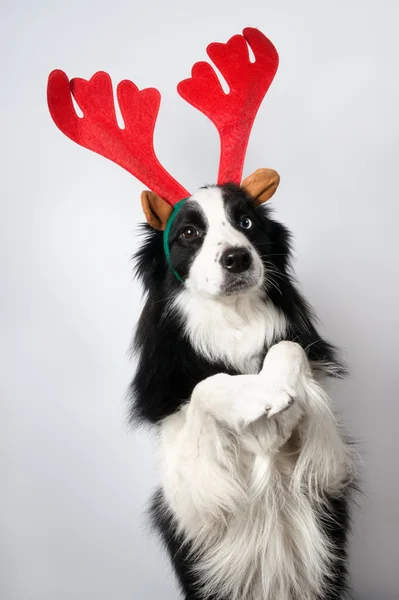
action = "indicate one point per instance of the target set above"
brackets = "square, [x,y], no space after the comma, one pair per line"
[256,476]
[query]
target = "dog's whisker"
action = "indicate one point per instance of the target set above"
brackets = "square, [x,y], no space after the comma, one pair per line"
[270,281]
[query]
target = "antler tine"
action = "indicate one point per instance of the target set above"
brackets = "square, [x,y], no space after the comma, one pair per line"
[233,113]
[132,147]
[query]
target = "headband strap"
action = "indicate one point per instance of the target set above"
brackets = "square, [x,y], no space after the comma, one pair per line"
[166,233]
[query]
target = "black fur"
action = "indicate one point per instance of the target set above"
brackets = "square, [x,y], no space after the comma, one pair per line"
[169,368]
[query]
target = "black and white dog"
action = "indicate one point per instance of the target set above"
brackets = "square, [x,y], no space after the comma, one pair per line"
[255,476]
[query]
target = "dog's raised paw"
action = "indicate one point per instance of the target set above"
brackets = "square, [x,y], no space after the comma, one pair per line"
[242,399]
[278,400]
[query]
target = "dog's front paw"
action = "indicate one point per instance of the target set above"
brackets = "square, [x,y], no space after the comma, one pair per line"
[255,397]
[236,400]
[278,399]
[285,367]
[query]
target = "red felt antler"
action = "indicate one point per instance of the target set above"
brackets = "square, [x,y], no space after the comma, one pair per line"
[232,113]
[132,147]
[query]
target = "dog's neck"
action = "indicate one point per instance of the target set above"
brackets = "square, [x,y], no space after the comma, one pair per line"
[234,330]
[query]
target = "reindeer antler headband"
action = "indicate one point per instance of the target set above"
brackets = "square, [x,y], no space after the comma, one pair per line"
[132,147]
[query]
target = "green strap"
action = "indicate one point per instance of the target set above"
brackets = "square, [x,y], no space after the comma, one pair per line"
[166,233]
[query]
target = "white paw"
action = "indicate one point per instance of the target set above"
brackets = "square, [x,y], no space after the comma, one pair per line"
[231,399]
[242,399]
[253,398]
[285,364]
[282,373]
[278,400]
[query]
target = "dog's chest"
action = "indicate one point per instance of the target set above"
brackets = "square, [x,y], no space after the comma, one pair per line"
[235,331]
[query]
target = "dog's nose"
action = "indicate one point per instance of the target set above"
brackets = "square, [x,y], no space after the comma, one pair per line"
[236,260]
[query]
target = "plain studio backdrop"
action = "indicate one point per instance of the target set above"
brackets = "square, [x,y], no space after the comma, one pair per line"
[75,478]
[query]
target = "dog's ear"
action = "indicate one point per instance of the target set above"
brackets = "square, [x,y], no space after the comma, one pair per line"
[261,185]
[157,211]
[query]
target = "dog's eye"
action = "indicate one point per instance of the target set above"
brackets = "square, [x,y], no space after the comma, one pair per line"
[246,223]
[190,233]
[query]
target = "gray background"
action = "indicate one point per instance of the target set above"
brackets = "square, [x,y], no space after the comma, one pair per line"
[75,479]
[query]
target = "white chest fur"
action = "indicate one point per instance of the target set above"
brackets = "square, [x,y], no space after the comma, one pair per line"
[233,330]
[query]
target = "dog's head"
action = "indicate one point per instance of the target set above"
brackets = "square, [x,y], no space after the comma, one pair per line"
[213,242]
[221,242]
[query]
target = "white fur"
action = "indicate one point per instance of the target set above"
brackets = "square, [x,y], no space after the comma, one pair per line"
[241,496]
[231,329]
[206,275]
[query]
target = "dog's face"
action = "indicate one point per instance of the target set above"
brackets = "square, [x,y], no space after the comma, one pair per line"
[217,242]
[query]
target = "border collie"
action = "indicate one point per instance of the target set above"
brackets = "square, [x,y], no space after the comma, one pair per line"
[256,478]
